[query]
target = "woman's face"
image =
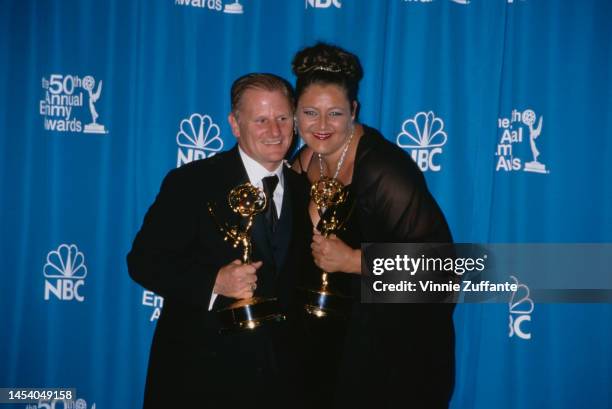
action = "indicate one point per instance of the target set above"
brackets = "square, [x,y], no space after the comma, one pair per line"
[325,117]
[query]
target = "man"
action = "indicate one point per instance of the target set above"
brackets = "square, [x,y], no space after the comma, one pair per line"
[180,254]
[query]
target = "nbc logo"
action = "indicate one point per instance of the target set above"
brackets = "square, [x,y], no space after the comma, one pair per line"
[424,137]
[65,273]
[198,138]
[520,308]
[322,4]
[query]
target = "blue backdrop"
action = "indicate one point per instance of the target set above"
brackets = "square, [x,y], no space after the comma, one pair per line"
[504,104]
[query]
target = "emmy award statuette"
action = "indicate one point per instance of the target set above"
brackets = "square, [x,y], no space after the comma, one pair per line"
[327,194]
[94,127]
[250,313]
[529,118]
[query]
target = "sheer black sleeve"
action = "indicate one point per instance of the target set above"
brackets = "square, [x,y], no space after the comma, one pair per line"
[396,202]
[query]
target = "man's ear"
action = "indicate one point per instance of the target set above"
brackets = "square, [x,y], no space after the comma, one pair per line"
[233,121]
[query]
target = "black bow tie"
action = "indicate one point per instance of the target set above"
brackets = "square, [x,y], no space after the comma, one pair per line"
[269,184]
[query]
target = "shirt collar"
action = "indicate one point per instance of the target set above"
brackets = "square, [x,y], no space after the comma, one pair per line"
[256,172]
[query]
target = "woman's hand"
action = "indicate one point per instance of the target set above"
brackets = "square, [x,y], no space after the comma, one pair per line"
[333,255]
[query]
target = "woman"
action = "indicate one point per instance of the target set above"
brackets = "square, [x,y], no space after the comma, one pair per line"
[388,355]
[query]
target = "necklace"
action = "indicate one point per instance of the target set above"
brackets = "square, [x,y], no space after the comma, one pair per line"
[342,157]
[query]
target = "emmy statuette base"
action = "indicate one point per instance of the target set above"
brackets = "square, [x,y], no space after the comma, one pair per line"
[250,314]
[323,303]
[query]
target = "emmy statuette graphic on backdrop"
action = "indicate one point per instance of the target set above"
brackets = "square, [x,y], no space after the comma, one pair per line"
[233,8]
[249,313]
[529,118]
[94,126]
[328,194]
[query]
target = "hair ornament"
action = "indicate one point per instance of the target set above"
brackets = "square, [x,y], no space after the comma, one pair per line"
[329,68]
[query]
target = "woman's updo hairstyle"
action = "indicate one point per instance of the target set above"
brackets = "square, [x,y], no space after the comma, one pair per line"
[327,64]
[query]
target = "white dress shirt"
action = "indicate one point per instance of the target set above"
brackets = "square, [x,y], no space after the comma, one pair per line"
[256,172]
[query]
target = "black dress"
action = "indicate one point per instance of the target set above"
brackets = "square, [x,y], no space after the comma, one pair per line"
[384,355]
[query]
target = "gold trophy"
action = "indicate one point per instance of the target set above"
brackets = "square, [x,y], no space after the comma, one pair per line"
[249,313]
[328,194]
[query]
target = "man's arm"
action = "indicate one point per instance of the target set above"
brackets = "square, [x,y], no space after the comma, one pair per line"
[164,256]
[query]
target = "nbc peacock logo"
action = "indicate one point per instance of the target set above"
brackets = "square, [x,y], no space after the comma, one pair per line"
[520,307]
[423,136]
[65,273]
[322,4]
[199,137]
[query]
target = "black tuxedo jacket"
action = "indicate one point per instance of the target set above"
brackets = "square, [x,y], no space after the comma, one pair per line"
[177,254]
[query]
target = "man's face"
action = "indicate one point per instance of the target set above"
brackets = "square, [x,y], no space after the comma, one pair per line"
[263,125]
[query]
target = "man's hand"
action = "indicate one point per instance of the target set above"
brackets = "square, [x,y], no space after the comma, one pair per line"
[333,255]
[237,280]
